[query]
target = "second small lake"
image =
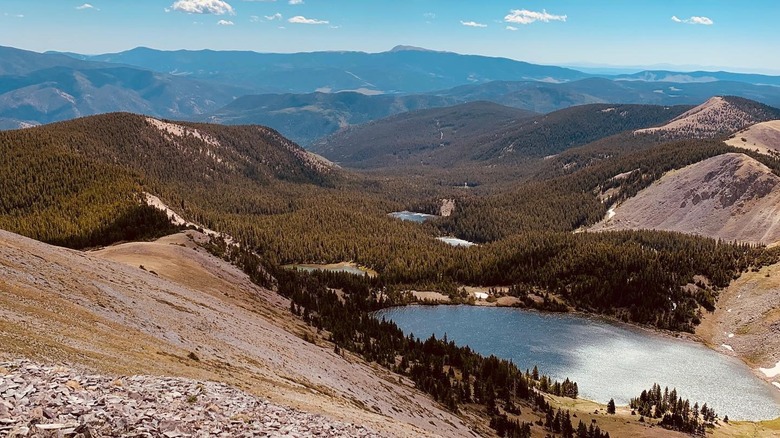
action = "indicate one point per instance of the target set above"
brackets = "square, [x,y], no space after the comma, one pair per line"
[412,216]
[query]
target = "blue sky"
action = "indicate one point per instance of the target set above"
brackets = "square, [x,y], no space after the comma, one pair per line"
[740,35]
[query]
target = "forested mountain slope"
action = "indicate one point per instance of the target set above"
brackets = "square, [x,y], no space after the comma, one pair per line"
[441,135]
[74,183]
[394,142]
[305,118]
[69,183]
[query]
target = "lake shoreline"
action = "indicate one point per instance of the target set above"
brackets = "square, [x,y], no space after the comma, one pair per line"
[611,320]
[693,337]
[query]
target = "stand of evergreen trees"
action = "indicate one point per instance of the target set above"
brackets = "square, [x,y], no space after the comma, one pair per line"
[674,412]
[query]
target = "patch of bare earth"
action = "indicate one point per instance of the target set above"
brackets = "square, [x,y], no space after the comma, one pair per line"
[762,137]
[731,197]
[102,311]
[430,296]
[746,322]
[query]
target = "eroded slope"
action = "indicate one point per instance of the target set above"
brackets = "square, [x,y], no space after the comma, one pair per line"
[729,197]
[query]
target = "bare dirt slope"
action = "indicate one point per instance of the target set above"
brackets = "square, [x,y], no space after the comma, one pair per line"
[730,197]
[717,116]
[747,320]
[102,311]
[762,137]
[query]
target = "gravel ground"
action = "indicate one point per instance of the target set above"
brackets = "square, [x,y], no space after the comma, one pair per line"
[45,401]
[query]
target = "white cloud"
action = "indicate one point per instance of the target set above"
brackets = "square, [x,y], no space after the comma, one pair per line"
[512,28]
[524,16]
[295,2]
[694,20]
[276,16]
[429,15]
[216,7]
[299,19]
[225,23]
[472,24]
[85,6]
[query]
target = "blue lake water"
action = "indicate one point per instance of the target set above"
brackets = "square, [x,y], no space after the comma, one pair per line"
[412,216]
[606,359]
[454,241]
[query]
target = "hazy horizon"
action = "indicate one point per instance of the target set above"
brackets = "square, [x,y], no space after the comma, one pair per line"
[604,33]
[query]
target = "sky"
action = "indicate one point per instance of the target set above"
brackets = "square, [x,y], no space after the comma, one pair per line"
[710,34]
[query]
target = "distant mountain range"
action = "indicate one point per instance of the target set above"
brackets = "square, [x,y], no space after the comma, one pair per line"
[307,96]
[42,88]
[543,97]
[402,70]
[305,118]
[698,76]
[308,117]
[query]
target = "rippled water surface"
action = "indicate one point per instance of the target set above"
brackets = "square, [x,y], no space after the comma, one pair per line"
[607,360]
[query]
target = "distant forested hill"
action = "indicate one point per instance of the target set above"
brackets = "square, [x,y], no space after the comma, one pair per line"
[482,134]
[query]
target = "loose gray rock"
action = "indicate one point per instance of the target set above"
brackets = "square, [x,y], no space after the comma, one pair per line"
[41,401]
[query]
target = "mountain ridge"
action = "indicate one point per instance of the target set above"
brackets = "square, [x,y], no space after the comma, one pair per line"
[39,88]
[718,116]
[731,197]
[494,140]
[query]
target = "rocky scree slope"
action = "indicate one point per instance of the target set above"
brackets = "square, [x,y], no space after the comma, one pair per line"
[731,197]
[56,401]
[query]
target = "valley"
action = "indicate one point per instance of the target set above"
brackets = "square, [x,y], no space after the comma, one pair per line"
[201,241]
[549,267]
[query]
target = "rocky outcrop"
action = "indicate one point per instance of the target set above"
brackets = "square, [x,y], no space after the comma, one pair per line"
[38,400]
